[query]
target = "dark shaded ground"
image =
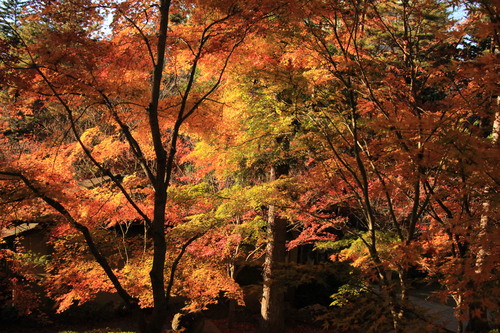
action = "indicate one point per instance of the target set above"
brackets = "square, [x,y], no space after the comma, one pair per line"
[125,327]
[98,320]
[125,324]
[113,325]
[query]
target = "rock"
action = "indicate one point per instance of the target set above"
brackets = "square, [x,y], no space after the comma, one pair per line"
[193,322]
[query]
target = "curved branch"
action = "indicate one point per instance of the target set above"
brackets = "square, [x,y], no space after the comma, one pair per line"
[131,302]
[134,145]
[175,264]
[144,37]
[87,152]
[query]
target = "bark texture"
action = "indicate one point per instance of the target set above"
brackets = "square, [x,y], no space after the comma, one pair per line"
[273,294]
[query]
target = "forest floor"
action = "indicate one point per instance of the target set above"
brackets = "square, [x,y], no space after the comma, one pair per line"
[437,313]
[125,326]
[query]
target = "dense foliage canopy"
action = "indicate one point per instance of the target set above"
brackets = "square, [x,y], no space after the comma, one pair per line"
[161,147]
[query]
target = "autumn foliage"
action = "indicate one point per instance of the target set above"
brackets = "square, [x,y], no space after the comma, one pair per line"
[160,146]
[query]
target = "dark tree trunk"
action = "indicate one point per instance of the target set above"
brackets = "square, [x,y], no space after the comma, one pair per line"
[159,314]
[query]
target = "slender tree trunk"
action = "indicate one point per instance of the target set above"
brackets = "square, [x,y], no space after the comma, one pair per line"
[273,294]
[484,222]
[391,296]
[403,284]
[459,302]
[480,323]
[231,316]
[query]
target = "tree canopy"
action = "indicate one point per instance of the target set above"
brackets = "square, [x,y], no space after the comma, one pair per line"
[164,146]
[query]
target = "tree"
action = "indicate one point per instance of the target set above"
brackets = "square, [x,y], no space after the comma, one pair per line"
[463,212]
[255,153]
[381,110]
[11,12]
[123,105]
[372,122]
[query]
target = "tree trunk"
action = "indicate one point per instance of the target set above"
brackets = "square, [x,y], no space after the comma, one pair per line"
[157,272]
[273,294]
[480,323]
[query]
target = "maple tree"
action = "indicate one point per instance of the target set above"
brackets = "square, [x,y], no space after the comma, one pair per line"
[383,141]
[252,155]
[388,139]
[179,140]
[371,132]
[124,109]
[466,211]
